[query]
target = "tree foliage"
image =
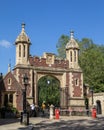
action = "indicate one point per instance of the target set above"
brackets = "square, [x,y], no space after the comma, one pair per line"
[91,60]
[61,46]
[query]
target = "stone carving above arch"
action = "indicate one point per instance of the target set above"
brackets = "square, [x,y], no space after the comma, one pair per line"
[49,58]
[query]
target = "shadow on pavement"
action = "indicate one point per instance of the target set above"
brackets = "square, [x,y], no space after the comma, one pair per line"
[61,124]
[93,124]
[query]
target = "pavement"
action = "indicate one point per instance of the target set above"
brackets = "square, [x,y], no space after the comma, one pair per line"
[63,123]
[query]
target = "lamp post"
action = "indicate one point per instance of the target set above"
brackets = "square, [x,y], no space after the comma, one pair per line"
[48,82]
[25,80]
[25,115]
[91,90]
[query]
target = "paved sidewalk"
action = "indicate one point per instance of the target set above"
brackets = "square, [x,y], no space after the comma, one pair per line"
[14,124]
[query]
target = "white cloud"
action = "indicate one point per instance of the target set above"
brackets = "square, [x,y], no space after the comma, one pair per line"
[5,43]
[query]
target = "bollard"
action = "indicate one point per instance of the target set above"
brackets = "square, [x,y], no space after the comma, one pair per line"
[51,111]
[24,118]
[70,111]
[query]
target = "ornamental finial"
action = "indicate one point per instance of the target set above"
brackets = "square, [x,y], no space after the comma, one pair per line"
[71,34]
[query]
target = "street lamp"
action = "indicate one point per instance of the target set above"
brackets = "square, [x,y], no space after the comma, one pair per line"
[24,115]
[48,82]
[91,90]
[25,80]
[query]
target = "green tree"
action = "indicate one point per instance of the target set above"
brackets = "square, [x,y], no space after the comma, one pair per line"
[49,91]
[63,40]
[92,63]
[91,60]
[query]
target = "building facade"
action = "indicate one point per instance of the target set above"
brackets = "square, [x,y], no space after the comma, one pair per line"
[97,101]
[67,71]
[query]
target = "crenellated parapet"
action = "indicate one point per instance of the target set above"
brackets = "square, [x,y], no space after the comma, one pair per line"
[49,61]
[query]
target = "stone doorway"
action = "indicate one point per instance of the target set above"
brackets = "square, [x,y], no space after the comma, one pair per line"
[98,105]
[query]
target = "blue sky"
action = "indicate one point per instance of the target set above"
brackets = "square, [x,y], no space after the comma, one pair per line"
[46,21]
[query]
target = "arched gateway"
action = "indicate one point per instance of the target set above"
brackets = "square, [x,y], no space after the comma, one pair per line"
[67,71]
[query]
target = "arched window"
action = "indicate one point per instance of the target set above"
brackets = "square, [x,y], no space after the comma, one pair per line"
[76,82]
[75,55]
[24,50]
[19,50]
[70,56]
[9,81]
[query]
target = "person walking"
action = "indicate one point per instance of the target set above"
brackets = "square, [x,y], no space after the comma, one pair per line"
[33,110]
[43,107]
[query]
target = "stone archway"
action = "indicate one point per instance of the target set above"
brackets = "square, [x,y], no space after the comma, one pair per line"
[62,89]
[66,70]
[49,91]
